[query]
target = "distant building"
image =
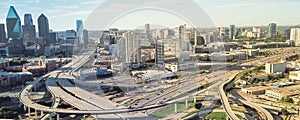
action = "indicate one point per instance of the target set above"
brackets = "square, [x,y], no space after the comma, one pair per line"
[2,34]
[231,31]
[86,37]
[13,24]
[15,47]
[43,26]
[275,67]
[159,54]
[295,35]
[29,33]
[132,45]
[79,30]
[272,30]
[147,29]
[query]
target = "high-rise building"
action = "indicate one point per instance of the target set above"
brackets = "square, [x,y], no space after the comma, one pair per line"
[2,34]
[272,30]
[295,35]
[132,45]
[28,19]
[29,33]
[79,29]
[147,29]
[13,24]
[159,54]
[85,37]
[231,31]
[43,26]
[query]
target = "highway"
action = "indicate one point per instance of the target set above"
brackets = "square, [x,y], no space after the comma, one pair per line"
[224,98]
[225,102]
[267,115]
[144,104]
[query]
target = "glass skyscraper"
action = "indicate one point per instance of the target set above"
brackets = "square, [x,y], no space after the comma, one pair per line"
[13,23]
[28,19]
[43,28]
[29,33]
[2,34]
[79,28]
[272,30]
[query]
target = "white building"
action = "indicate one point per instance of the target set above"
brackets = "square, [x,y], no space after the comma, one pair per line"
[294,75]
[295,35]
[275,67]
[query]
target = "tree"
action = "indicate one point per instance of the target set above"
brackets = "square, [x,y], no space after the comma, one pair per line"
[284,111]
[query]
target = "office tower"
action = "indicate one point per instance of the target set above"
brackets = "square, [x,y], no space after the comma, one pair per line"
[53,37]
[79,29]
[159,54]
[295,35]
[2,34]
[147,29]
[29,33]
[121,44]
[272,30]
[28,19]
[231,31]
[43,26]
[85,37]
[132,45]
[13,24]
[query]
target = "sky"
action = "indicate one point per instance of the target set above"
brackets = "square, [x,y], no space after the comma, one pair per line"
[126,14]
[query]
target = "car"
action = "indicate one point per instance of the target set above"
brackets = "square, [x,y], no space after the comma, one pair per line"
[147,98]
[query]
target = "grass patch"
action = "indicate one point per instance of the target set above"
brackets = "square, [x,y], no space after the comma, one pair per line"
[170,109]
[216,116]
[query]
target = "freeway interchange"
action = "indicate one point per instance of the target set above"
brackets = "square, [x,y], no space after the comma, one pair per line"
[59,85]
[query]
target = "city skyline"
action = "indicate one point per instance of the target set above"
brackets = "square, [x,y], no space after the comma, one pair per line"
[240,13]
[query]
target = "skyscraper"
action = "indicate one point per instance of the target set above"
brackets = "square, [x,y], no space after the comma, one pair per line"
[159,54]
[43,28]
[2,34]
[132,46]
[85,37]
[231,31]
[147,29]
[29,33]
[272,30]
[13,23]
[79,29]
[28,19]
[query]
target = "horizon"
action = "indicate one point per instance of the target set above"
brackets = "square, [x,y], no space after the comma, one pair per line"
[64,17]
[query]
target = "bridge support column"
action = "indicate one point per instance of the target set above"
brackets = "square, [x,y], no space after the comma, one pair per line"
[24,108]
[146,113]
[195,99]
[186,103]
[35,113]
[57,116]
[42,113]
[175,107]
[29,112]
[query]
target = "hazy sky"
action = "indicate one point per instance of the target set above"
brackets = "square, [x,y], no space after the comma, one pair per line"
[62,14]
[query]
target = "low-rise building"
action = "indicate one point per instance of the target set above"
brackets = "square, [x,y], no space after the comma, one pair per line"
[275,67]
[256,90]
[294,75]
[3,64]
[283,92]
[17,78]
